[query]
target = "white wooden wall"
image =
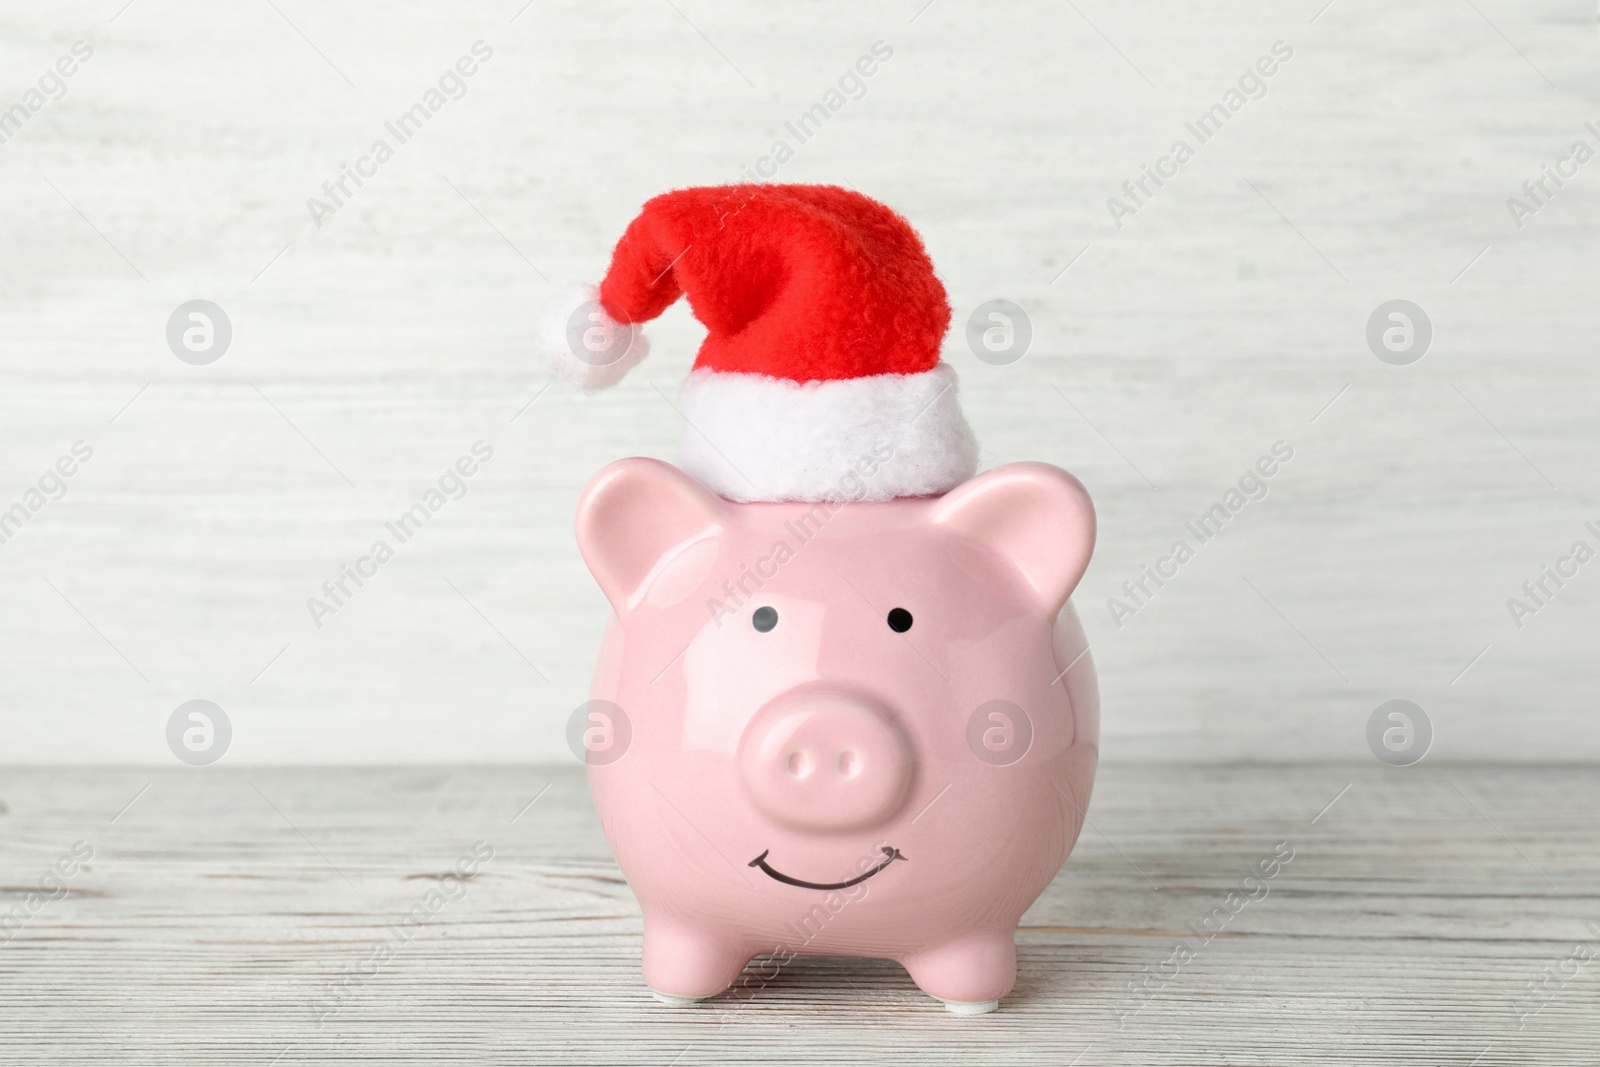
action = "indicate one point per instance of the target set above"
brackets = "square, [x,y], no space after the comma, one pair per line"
[1227,314]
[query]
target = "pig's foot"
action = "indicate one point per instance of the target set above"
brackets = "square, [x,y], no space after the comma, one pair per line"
[683,965]
[969,973]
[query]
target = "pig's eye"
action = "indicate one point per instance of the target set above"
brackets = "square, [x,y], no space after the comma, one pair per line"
[766,618]
[899,620]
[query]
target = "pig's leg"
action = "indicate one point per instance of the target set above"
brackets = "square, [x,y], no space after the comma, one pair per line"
[970,973]
[683,964]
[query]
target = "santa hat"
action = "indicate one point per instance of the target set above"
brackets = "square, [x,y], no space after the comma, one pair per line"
[820,371]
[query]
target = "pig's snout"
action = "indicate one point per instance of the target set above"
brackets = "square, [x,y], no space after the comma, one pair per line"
[825,761]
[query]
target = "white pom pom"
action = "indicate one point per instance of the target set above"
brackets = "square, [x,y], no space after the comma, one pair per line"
[583,344]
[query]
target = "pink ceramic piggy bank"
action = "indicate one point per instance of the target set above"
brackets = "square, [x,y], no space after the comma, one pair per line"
[849,729]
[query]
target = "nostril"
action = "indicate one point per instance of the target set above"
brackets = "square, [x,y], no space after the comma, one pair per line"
[799,765]
[849,764]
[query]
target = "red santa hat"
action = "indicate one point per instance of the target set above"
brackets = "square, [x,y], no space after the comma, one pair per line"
[820,370]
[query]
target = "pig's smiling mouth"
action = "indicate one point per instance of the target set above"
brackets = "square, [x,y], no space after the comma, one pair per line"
[889,856]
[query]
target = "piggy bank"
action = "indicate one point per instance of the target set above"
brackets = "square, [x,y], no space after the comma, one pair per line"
[840,728]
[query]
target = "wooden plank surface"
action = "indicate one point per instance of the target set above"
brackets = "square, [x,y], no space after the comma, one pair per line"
[238,916]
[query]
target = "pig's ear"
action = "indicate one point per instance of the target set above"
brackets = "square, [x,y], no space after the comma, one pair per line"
[1036,516]
[637,513]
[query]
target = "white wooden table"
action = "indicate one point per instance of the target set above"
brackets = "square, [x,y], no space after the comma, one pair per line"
[243,916]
